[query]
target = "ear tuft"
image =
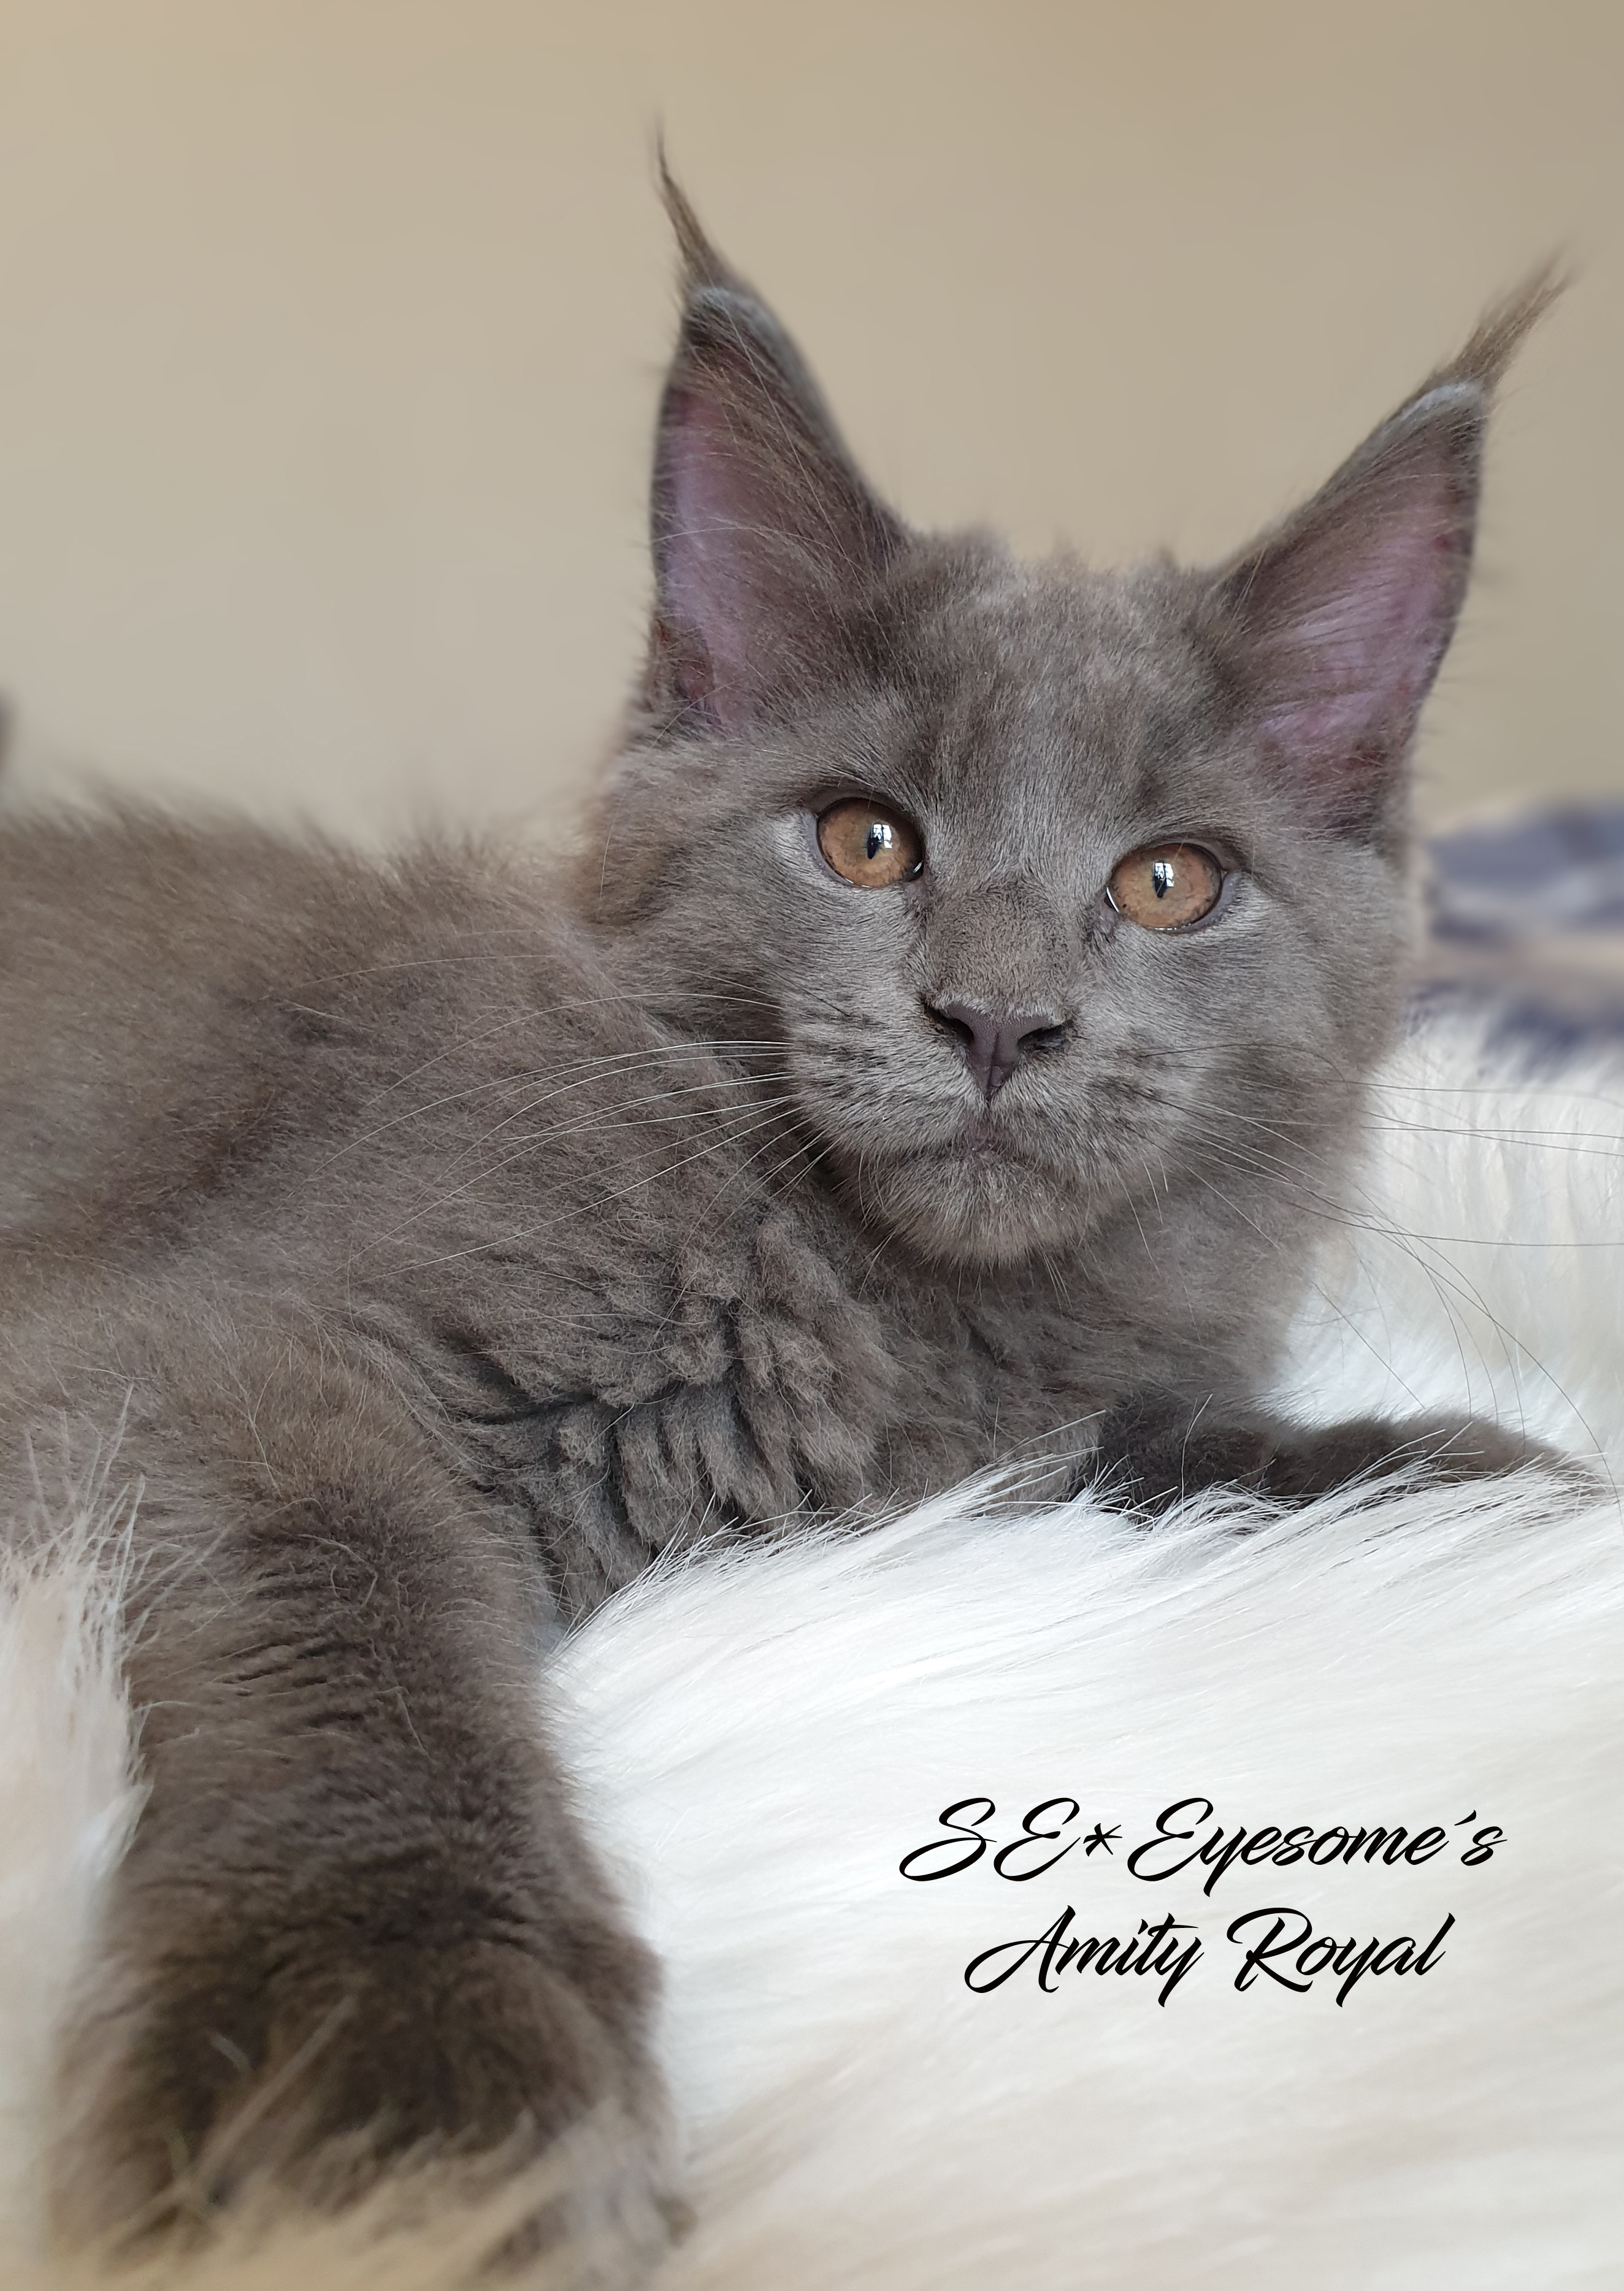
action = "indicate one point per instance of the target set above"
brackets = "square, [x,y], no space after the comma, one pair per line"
[1501,331]
[702,265]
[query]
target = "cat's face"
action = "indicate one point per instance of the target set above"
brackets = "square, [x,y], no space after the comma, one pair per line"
[1046,897]
[933,885]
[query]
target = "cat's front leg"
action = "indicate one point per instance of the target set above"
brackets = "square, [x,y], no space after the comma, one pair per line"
[357,1926]
[1156,1448]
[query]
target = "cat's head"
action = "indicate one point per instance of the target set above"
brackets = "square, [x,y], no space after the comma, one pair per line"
[1046,895]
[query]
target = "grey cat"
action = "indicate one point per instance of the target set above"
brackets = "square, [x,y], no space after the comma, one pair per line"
[942,1055]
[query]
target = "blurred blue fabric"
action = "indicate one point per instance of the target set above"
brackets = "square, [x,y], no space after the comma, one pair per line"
[1526,915]
[1561,869]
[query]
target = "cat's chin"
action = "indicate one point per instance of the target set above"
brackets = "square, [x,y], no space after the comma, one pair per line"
[973,1206]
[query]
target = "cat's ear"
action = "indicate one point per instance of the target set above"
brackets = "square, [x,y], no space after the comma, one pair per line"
[1332,626]
[763,529]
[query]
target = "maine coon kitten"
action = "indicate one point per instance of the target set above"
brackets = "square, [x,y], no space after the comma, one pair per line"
[942,1055]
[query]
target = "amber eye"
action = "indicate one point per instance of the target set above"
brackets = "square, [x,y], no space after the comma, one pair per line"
[1166,884]
[870,846]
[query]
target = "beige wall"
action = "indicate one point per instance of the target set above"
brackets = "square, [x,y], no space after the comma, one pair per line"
[330,331]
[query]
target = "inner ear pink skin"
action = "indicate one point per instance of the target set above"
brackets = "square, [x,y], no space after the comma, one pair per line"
[1363,657]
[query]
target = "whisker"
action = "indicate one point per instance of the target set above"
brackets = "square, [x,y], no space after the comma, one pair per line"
[748,1116]
[599,1202]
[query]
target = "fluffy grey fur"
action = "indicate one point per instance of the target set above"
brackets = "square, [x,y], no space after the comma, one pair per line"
[441,1239]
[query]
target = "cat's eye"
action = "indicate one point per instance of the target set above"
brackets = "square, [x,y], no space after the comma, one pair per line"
[1165,884]
[869,845]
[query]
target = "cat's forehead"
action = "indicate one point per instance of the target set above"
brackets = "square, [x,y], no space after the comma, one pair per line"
[1052,683]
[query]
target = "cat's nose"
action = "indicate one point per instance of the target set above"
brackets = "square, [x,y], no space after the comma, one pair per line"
[996,1041]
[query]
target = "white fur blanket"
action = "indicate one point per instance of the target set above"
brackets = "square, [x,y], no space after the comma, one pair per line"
[763,1739]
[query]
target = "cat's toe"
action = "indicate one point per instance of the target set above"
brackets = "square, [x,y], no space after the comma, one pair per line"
[1451,1449]
[214,2088]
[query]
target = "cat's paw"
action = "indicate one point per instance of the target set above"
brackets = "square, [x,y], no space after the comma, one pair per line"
[1154,1450]
[1453,1449]
[257,2072]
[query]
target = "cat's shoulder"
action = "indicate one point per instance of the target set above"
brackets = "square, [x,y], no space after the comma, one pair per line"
[127,890]
[172,990]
